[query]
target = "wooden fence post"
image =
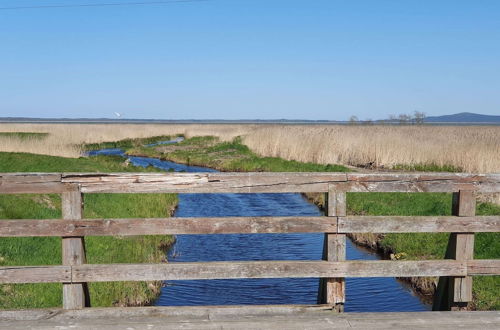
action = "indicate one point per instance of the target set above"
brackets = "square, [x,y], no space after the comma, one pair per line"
[455,293]
[332,290]
[75,295]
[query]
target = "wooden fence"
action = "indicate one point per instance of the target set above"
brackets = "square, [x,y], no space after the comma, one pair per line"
[455,286]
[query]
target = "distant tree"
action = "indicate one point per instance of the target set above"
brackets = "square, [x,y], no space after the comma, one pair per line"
[368,122]
[353,120]
[419,117]
[392,118]
[404,119]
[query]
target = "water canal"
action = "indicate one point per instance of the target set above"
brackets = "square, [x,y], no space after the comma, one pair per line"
[362,294]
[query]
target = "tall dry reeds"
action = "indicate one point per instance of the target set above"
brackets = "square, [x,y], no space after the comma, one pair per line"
[471,148]
[66,139]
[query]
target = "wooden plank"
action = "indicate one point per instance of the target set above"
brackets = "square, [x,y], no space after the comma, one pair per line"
[332,289]
[29,178]
[241,317]
[164,312]
[166,226]
[464,250]
[204,182]
[422,182]
[418,224]
[424,177]
[152,226]
[456,293]
[483,267]
[75,295]
[35,274]
[418,186]
[282,182]
[251,182]
[265,269]
[22,183]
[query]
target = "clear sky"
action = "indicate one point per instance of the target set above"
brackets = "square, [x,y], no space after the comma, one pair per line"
[250,59]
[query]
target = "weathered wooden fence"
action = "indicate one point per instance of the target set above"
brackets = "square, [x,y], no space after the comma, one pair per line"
[455,272]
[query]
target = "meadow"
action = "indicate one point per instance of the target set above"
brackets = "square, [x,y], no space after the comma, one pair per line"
[18,251]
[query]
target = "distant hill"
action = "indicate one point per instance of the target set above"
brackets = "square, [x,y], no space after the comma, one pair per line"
[464,117]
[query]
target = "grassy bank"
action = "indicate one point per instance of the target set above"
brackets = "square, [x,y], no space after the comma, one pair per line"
[234,156]
[129,143]
[47,250]
[415,246]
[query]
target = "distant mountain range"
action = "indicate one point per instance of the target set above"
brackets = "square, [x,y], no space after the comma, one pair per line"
[458,118]
[464,117]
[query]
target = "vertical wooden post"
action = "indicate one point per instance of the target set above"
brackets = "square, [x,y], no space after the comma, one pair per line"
[332,290]
[75,295]
[455,293]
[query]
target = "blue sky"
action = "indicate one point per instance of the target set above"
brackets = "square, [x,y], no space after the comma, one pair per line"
[250,59]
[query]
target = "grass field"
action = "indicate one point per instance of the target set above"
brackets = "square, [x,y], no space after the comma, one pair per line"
[47,250]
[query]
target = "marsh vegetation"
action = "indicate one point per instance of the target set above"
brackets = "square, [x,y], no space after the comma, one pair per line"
[408,147]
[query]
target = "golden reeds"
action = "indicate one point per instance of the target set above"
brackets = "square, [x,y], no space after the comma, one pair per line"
[471,148]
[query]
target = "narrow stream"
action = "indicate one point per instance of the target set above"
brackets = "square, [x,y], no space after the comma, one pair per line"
[362,294]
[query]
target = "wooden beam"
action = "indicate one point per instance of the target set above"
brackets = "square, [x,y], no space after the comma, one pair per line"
[240,317]
[35,274]
[464,250]
[282,182]
[204,182]
[332,290]
[36,183]
[456,293]
[418,224]
[248,182]
[244,269]
[75,295]
[265,269]
[480,267]
[166,226]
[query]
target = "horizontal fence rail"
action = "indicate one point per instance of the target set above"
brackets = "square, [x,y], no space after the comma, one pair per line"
[455,271]
[248,225]
[245,182]
[246,269]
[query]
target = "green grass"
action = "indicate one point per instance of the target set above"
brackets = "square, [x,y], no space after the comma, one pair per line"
[234,156]
[415,246]
[24,135]
[25,162]
[427,168]
[47,250]
[128,143]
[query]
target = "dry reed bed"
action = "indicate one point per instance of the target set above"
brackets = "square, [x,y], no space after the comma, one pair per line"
[66,139]
[472,148]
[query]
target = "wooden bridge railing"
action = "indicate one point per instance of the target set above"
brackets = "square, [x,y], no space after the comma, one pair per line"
[455,287]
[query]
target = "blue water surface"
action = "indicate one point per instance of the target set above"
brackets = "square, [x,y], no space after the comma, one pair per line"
[362,294]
